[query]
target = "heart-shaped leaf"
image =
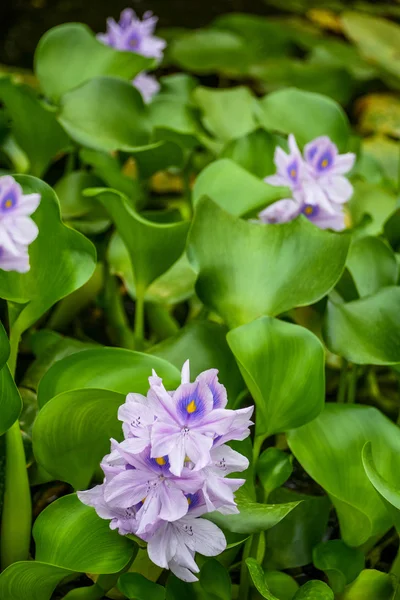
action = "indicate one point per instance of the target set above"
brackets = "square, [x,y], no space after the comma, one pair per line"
[372,265]
[114,369]
[137,587]
[340,563]
[249,269]
[314,590]
[59,254]
[274,467]
[69,55]
[372,585]
[305,114]
[323,448]
[120,123]
[35,129]
[366,331]
[267,350]
[234,189]
[254,152]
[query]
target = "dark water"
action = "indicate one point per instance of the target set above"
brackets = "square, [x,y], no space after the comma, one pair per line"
[23,22]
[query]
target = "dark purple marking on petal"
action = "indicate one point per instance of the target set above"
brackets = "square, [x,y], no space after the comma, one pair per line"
[312,152]
[9,201]
[191,406]
[194,499]
[310,210]
[293,171]
[325,161]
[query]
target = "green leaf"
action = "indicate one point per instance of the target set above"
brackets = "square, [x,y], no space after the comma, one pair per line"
[149,161]
[10,400]
[250,269]
[372,265]
[105,113]
[59,540]
[281,584]
[234,189]
[314,590]
[253,517]
[254,152]
[274,467]
[59,254]
[69,55]
[267,350]
[378,40]
[31,579]
[215,581]
[384,151]
[35,129]
[372,585]
[305,114]
[175,120]
[388,489]
[4,346]
[204,343]
[372,200]
[258,578]
[134,585]
[69,190]
[72,433]
[114,369]
[227,114]
[339,562]
[329,449]
[153,247]
[365,331]
[290,543]
[208,50]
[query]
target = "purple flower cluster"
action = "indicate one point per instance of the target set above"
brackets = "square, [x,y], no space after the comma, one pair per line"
[17,230]
[171,469]
[316,178]
[133,35]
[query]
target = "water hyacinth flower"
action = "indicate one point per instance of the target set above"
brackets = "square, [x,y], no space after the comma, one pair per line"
[17,230]
[131,34]
[171,469]
[316,179]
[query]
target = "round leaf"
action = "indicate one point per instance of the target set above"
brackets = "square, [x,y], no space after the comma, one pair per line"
[134,585]
[69,55]
[250,269]
[254,152]
[372,265]
[59,254]
[366,331]
[114,369]
[329,449]
[314,590]
[305,114]
[371,585]
[341,563]
[105,113]
[267,350]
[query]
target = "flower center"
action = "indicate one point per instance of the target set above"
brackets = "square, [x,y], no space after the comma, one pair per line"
[8,203]
[308,210]
[325,163]
[293,173]
[161,461]
[191,408]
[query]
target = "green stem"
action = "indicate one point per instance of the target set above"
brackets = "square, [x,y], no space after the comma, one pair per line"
[139,319]
[17,509]
[342,382]
[244,586]
[352,388]
[161,321]
[257,444]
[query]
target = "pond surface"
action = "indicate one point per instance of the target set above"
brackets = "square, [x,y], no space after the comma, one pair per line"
[23,22]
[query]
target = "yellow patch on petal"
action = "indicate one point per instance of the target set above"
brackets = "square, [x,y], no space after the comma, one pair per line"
[191,408]
[8,203]
[161,461]
[189,501]
[324,163]
[308,210]
[293,173]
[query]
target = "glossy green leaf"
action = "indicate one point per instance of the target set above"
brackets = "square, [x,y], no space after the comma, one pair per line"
[4,346]
[175,120]
[371,585]
[383,151]
[314,590]
[69,55]
[250,269]
[254,152]
[166,155]
[177,589]
[31,579]
[105,113]
[372,265]
[374,201]
[178,85]
[58,254]
[254,517]
[204,343]
[226,114]
[387,488]
[215,580]
[290,543]
[10,400]
[258,577]
[266,350]
[234,189]
[305,114]
[59,540]
[173,286]
[72,433]
[323,448]
[35,128]
[109,168]
[377,39]
[153,246]
[365,331]
[114,369]
[281,584]
[134,585]
[339,562]
[69,190]
[274,467]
